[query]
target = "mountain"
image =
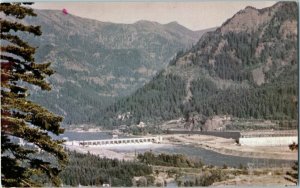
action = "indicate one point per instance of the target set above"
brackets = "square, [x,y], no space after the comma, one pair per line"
[96,62]
[246,68]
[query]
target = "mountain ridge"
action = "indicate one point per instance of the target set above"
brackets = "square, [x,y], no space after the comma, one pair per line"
[241,69]
[96,62]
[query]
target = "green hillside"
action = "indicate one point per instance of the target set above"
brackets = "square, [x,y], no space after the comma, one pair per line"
[247,68]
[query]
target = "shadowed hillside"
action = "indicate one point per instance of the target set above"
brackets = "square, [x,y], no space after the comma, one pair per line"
[96,62]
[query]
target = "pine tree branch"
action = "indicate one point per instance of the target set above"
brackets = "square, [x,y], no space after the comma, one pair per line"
[14,90]
[26,54]
[8,94]
[30,78]
[14,173]
[291,180]
[26,184]
[18,151]
[6,26]
[17,89]
[18,128]
[37,69]
[44,68]
[5,77]
[15,40]
[15,9]
[11,60]
[52,172]
[40,116]
[37,165]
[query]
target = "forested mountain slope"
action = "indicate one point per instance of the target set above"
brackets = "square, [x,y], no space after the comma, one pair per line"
[247,68]
[96,62]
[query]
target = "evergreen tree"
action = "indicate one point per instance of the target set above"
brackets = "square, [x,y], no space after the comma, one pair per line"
[21,119]
[292,175]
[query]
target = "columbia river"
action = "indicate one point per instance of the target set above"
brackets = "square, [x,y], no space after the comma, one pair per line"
[197,153]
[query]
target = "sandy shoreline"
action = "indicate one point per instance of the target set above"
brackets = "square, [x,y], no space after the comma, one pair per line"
[120,151]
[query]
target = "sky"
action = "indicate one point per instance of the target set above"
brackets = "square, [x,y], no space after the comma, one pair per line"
[191,14]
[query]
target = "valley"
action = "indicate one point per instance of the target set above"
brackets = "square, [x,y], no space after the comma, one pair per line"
[231,80]
[150,103]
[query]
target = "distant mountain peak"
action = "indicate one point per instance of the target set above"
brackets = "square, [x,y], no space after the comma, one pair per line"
[248,19]
[173,23]
[145,22]
[250,7]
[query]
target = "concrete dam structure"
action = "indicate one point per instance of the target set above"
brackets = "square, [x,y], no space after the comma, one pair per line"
[116,141]
[269,138]
[250,138]
[224,134]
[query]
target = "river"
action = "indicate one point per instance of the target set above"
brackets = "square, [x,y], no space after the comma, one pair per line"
[207,156]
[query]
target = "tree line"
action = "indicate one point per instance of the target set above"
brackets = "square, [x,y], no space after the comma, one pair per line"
[162,159]
[91,170]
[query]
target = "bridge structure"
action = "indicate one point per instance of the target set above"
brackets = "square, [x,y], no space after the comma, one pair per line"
[116,141]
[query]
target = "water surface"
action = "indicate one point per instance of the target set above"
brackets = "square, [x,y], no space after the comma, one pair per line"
[197,153]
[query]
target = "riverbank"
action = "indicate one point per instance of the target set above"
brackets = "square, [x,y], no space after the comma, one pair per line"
[230,147]
[101,152]
[120,151]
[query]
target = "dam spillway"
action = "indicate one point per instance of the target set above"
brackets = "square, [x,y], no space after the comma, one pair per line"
[116,141]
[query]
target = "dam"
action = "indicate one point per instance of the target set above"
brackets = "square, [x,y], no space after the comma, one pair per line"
[116,141]
[250,138]
[269,138]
